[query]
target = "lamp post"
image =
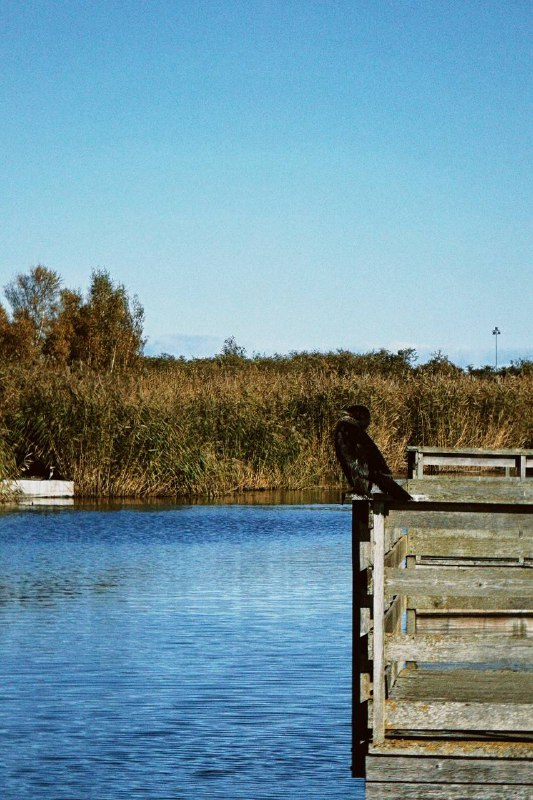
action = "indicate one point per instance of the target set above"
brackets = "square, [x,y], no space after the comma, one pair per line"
[496,332]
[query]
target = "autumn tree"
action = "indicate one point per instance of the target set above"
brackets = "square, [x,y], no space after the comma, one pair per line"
[17,337]
[110,333]
[34,298]
[63,343]
[104,331]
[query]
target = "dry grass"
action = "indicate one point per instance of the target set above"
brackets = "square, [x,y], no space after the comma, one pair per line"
[213,427]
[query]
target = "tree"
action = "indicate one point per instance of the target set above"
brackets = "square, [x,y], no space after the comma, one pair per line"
[440,364]
[110,329]
[105,331]
[232,350]
[63,341]
[35,298]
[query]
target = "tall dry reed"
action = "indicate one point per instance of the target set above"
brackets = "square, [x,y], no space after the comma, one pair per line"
[219,426]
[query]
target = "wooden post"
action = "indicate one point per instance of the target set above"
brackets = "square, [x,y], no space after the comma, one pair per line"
[360,628]
[378,682]
[410,616]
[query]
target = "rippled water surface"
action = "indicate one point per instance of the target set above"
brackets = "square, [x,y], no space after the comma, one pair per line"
[183,652]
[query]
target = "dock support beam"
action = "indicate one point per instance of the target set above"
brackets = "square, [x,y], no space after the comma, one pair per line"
[360,629]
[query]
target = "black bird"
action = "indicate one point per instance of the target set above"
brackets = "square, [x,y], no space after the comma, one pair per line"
[360,458]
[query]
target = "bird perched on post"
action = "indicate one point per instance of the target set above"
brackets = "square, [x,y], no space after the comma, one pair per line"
[360,458]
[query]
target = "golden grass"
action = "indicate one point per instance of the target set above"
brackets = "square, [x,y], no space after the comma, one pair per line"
[215,427]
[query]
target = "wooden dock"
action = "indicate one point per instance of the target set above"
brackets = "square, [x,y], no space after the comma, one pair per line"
[442,648]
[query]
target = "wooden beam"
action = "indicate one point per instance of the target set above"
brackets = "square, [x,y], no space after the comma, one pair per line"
[454,506]
[468,543]
[361,679]
[378,540]
[402,769]
[465,686]
[474,451]
[393,616]
[452,716]
[462,582]
[470,649]
[439,791]
[461,748]
[508,605]
[395,556]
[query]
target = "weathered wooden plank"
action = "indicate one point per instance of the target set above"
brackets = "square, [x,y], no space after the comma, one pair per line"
[465,506]
[505,451]
[460,561]
[493,543]
[393,617]
[464,685]
[396,555]
[423,603]
[393,624]
[455,747]
[403,769]
[450,487]
[470,649]
[410,614]
[442,522]
[365,687]
[436,791]
[365,555]
[469,461]
[462,581]
[453,716]
[378,540]
[482,492]
[361,683]
[517,625]
[392,535]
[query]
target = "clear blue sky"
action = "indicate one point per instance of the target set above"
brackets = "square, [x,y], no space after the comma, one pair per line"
[298,175]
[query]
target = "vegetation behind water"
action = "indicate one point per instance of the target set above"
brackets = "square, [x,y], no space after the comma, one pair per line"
[91,408]
[215,427]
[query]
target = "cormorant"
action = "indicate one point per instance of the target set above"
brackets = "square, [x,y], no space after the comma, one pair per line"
[360,458]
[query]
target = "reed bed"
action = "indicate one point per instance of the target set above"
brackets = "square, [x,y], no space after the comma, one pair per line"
[221,426]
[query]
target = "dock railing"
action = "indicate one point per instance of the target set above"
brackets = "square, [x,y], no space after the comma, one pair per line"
[443,600]
[418,458]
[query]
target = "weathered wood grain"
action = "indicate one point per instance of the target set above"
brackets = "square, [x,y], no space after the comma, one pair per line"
[361,625]
[423,603]
[511,542]
[515,624]
[481,715]
[448,770]
[462,582]
[469,649]
[397,553]
[453,716]
[435,791]
[455,747]
[378,541]
[503,451]
[464,685]
[420,457]
[393,617]
[472,488]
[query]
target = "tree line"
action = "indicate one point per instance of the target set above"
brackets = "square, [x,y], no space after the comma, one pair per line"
[103,329]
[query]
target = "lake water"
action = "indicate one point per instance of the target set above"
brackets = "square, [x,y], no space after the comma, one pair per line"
[176,652]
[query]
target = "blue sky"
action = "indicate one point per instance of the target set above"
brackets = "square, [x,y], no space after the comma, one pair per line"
[298,175]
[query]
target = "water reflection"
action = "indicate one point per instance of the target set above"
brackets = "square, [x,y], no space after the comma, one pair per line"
[188,652]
